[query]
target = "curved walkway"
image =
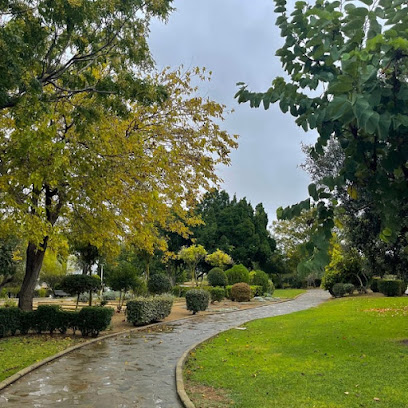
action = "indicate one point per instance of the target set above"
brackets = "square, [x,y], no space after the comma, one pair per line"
[132,370]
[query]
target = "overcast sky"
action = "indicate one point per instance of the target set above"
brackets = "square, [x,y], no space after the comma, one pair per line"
[237,40]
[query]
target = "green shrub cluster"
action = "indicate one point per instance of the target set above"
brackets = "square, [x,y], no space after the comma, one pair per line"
[217,293]
[256,290]
[392,287]
[241,292]
[217,277]
[341,289]
[260,278]
[237,274]
[159,284]
[349,288]
[197,300]
[93,319]
[147,310]
[50,318]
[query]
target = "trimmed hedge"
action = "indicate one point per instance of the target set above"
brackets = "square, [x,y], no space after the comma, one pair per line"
[147,310]
[217,293]
[338,290]
[49,318]
[197,300]
[390,287]
[241,292]
[93,319]
[217,277]
[159,284]
[237,274]
[374,284]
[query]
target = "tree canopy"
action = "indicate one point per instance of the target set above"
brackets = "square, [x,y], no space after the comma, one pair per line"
[346,65]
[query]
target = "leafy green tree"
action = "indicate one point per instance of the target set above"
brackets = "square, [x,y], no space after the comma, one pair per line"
[53,50]
[105,179]
[347,69]
[53,270]
[192,255]
[219,259]
[235,228]
[8,260]
[77,284]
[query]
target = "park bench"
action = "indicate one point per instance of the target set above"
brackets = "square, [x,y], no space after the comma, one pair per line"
[60,293]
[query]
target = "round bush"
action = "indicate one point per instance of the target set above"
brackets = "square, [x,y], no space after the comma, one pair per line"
[237,274]
[241,292]
[260,278]
[217,277]
[159,284]
[349,288]
[271,287]
[197,300]
[338,290]
[217,294]
[391,287]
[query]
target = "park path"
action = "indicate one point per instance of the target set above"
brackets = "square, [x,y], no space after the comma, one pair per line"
[133,370]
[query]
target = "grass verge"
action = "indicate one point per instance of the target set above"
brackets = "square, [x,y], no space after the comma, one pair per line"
[19,352]
[350,352]
[287,293]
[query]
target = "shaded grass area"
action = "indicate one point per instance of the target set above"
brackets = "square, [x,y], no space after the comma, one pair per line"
[287,293]
[19,352]
[349,352]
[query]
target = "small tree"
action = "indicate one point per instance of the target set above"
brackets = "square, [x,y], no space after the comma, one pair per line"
[52,270]
[77,284]
[219,259]
[192,256]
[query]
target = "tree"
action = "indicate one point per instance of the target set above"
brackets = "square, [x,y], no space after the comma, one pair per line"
[54,50]
[123,277]
[53,270]
[347,69]
[8,260]
[235,228]
[77,284]
[192,255]
[105,179]
[219,259]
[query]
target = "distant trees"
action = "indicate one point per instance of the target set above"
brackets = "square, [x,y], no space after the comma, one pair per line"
[236,228]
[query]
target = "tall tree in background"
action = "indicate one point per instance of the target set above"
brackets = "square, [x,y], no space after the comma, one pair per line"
[236,228]
[105,179]
[347,65]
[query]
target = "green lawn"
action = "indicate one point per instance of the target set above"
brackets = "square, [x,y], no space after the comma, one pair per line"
[19,352]
[287,293]
[351,352]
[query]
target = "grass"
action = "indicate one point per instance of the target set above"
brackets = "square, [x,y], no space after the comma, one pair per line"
[19,352]
[351,353]
[287,293]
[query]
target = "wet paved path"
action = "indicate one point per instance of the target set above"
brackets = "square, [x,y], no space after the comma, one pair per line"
[132,370]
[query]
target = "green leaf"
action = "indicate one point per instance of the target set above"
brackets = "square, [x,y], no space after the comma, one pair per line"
[313,191]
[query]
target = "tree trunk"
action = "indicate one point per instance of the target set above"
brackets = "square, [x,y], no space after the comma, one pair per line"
[90,298]
[35,257]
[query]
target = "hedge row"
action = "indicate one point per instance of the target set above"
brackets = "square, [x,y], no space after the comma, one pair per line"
[50,318]
[391,287]
[148,310]
[218,293]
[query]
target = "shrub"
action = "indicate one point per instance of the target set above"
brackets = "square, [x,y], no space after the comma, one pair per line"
[180,291]
[197,300]
[237,274]
[338,290]
[374,284]
[27,321]
[217,294]
[256,290]
[241,292]
[392,287]
[271,288]
[260,278]
[349,288]
[93,319]
[46,318]
[159,284]
[147,310]
[110,295]
[217,277]
[228,291]
[9,321]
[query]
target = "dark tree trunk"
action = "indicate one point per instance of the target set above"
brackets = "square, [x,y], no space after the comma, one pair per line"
[35,257]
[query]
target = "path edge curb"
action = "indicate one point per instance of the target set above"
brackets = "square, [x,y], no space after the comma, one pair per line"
[181,391]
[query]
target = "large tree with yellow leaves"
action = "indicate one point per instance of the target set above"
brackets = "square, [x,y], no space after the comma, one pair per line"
[105,179]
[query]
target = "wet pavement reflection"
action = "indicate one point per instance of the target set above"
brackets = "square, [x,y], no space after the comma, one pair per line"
[132,370]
